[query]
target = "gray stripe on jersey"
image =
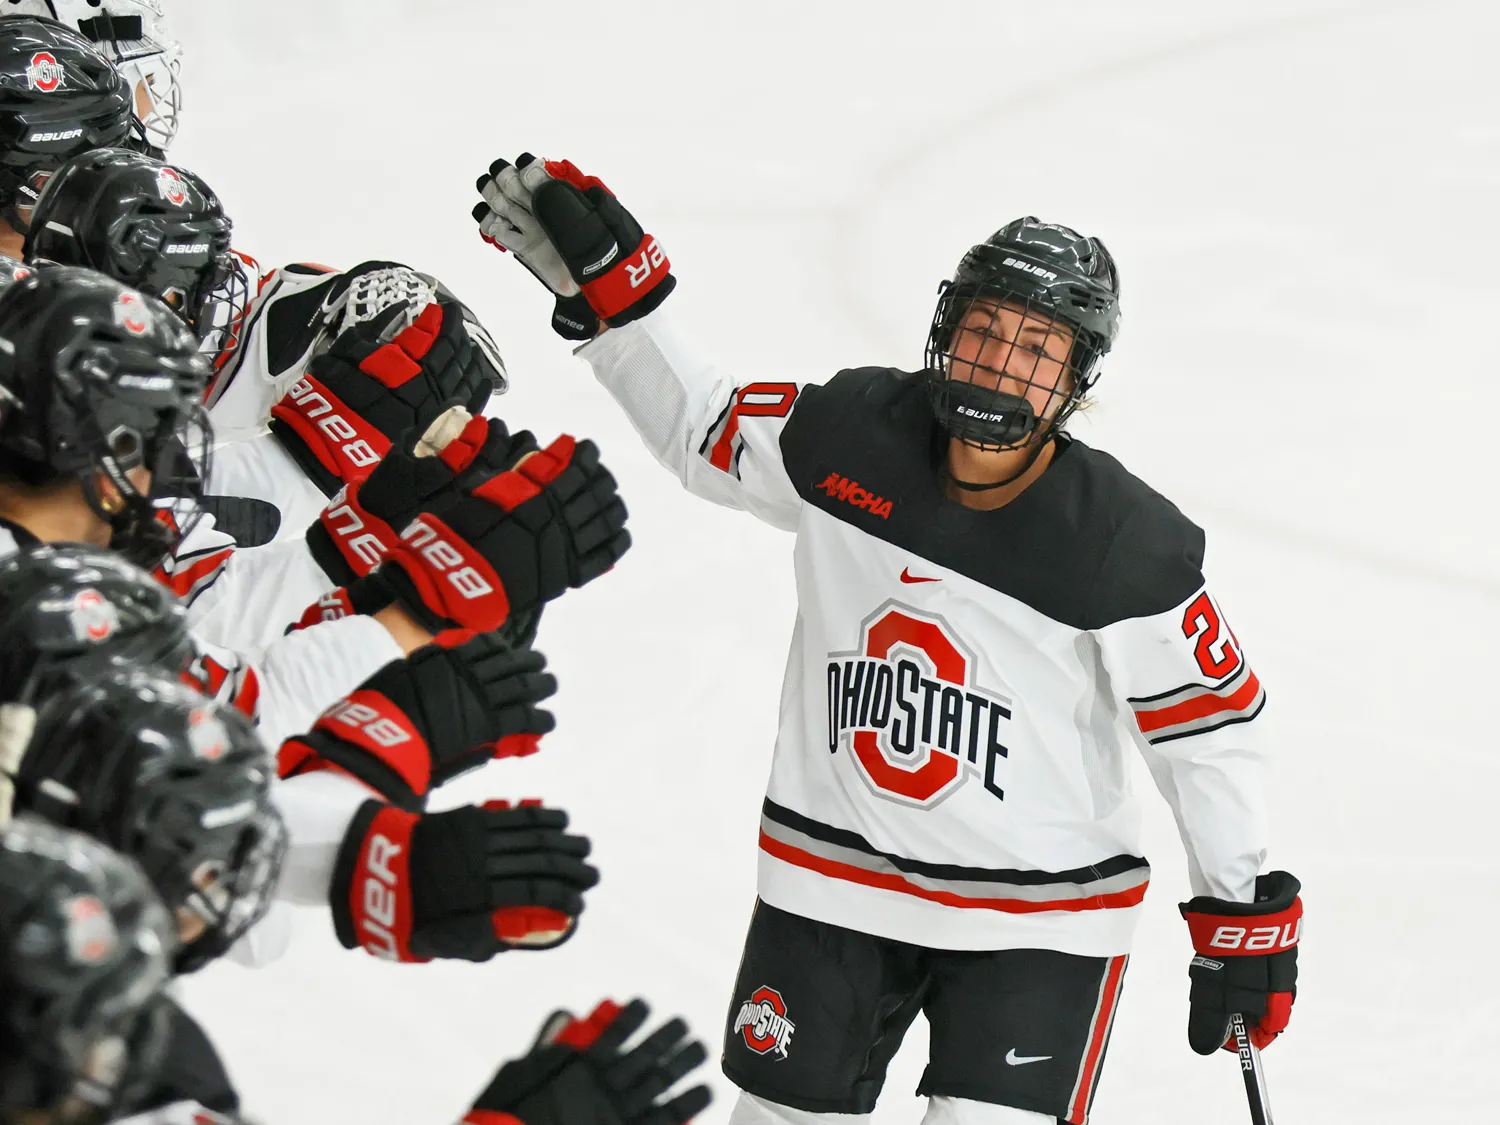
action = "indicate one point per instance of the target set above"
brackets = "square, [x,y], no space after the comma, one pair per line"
[966,888]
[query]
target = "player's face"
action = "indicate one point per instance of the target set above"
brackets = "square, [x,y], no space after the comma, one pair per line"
[1003,347]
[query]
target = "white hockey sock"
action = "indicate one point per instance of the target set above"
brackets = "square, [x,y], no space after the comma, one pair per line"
[962,1111]
[750,1110]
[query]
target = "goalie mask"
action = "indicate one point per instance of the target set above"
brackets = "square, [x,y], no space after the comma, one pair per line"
[59,96]
[104,384]
[84,948]
[152,226]
[1017,333]
[174,780]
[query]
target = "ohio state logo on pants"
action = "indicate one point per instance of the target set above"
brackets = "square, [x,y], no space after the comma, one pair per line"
[762,1022]
[907,707]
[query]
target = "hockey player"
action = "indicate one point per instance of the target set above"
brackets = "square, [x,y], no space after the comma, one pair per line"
[135,36]
[84,945]
[58,96]
[986,605]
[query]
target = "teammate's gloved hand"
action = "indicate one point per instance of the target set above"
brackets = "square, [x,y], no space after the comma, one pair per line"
[578,1072]
[418,723]
[509,544]
[426,470]
[403,350]
[1246,962]
[465,884]
[622,272]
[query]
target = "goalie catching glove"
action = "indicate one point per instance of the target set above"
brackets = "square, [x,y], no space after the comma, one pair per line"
[418,723]
[485,544]
[1246,963]
[465,884]
[403,350]
[577,238]
[579,1072]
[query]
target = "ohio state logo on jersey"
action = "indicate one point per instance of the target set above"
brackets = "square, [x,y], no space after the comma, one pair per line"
[44,72]
[909,712]
[172,189]
[762,1022]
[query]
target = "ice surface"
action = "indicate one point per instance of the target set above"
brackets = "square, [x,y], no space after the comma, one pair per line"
[1301,196]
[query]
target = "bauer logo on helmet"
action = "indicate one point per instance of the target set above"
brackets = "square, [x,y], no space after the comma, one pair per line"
[44,73]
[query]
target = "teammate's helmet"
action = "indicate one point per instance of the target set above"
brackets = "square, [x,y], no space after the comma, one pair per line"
[174,780]
[84,948]
[158,228]
[132,34]
[96,380]
[80,611]
[1054,281]
[58,96]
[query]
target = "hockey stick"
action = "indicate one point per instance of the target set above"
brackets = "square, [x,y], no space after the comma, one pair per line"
[1253,1071]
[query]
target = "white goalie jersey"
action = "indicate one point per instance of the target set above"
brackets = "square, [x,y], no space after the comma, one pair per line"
[964,686]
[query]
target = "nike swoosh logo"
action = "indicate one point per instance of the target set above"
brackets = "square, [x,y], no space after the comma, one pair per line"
[1021,1060]
[908,577]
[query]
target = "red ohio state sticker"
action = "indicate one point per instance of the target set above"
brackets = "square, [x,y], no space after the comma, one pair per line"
[762,1022]
[44,72]
[171,186]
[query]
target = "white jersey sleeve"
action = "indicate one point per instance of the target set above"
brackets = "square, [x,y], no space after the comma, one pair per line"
[1191,701]
[721,440]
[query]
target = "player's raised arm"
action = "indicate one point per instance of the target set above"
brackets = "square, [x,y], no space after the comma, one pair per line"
[721,439]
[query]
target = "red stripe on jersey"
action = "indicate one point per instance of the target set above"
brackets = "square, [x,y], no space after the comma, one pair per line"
[782,396]
[1199,706]
[247,696]
[888,881]
[1109,996]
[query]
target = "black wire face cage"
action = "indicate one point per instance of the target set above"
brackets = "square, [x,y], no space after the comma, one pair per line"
[117,434]
[1005,371]
[217,862]
[218,307]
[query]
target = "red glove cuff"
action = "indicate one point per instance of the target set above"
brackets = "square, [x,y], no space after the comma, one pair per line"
[379,896]
[454,581]
[371,722]
[361,538]
[1245,935]
[343,442]
[642,270]
[332,606]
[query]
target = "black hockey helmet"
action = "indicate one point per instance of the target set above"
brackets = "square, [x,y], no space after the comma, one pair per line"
[1062,292]
[96,380]
[84,949]
[59,95]
[82,611]
[171,778]
[132,34]
[150,225]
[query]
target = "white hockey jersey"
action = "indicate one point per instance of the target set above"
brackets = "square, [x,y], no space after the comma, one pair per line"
[962,686]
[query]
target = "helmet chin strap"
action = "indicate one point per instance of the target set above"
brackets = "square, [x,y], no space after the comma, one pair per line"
[1040,441]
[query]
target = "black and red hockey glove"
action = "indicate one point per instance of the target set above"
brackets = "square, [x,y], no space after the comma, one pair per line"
[509,544]
[403,351]
[418,723]
[579,1072]
[1246,963]
[622,272]
[426,470]
[463,885]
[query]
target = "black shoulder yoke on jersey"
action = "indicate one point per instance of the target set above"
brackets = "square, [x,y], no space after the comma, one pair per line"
[1087,544]
[191,1072]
